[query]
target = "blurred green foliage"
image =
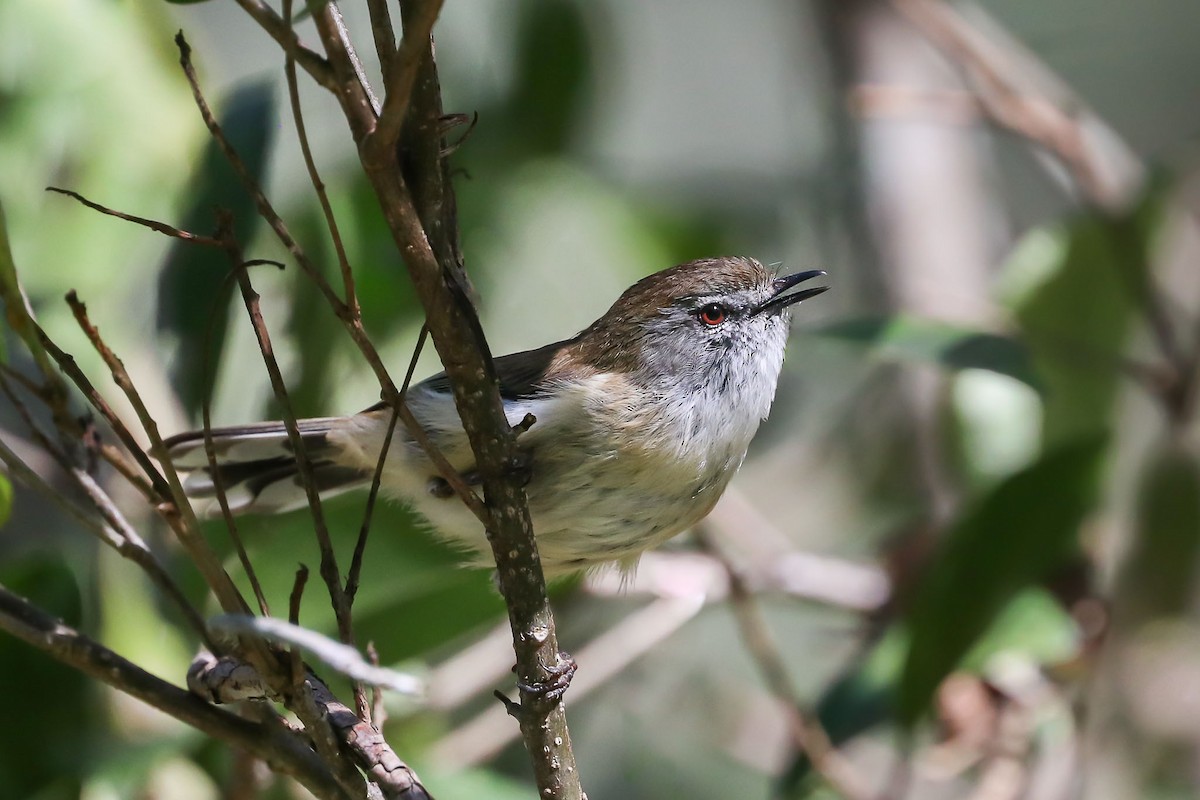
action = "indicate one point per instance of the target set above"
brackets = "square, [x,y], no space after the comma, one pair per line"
[195,283]
[905,337]
[1011,539]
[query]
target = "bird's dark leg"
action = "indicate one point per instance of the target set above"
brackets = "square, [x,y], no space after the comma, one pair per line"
[521,465]
[551,690]
[546,692]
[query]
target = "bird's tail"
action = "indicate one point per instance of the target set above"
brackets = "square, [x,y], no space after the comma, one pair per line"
[256,467]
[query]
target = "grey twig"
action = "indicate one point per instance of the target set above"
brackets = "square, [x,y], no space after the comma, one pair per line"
[229,680]
[152,224]
[282,33]
[179,513]
[343,658]
[361,545]
[274,743]
[383,33]
[335,235]
[210,453]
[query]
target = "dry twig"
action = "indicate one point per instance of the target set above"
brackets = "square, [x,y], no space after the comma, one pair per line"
[274,743]
[808,736]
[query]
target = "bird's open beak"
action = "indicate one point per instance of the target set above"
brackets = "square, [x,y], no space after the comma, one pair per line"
[781,299]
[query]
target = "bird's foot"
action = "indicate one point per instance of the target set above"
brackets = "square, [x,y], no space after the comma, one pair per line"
[521,466]
[548,692]
[552,689]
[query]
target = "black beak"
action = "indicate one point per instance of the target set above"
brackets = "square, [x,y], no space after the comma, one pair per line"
[781,300]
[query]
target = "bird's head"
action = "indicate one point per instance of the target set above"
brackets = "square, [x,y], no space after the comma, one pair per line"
[718,325]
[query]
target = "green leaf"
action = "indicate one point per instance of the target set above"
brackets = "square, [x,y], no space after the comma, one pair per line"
[6,499]
[1006,542]
[53,701]
[863,697]
[1158,578]
[1075,290]
[1033,624]
[953,347]
[193,289]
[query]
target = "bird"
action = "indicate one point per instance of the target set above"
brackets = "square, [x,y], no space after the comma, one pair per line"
[642,419]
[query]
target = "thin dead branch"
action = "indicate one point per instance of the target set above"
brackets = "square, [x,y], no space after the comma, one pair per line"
[152,224]
[335,235]
[808,736]
[277,29]
[175,507]
[274,743]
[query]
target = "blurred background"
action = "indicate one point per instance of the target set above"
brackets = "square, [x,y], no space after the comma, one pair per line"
[977,491]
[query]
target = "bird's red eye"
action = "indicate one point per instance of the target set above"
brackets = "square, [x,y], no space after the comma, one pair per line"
[712,314]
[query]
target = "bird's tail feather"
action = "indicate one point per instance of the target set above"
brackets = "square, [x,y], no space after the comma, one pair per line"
[256,467]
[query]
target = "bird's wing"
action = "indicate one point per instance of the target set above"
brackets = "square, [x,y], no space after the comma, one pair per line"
[522,375]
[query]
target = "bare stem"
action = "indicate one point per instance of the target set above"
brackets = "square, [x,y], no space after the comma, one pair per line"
[283,34]
[807,734]
[152,224]
[310,164]
[274,743]
[179,514]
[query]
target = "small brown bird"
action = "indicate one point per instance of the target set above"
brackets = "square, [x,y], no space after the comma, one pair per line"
[642,420]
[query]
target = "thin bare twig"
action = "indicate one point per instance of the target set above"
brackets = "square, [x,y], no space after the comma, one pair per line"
[113,456]
[210,453]
[312,62]
[175,507]
[295,658]
[383,33]
[335,14]
[806,732]
[152,224]
[329,568]
[66,363]
[361,545]
[335,235]
[364,530]
[274,743]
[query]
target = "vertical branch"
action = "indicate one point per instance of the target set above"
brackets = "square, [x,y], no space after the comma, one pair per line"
[382,33]
[418,206]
